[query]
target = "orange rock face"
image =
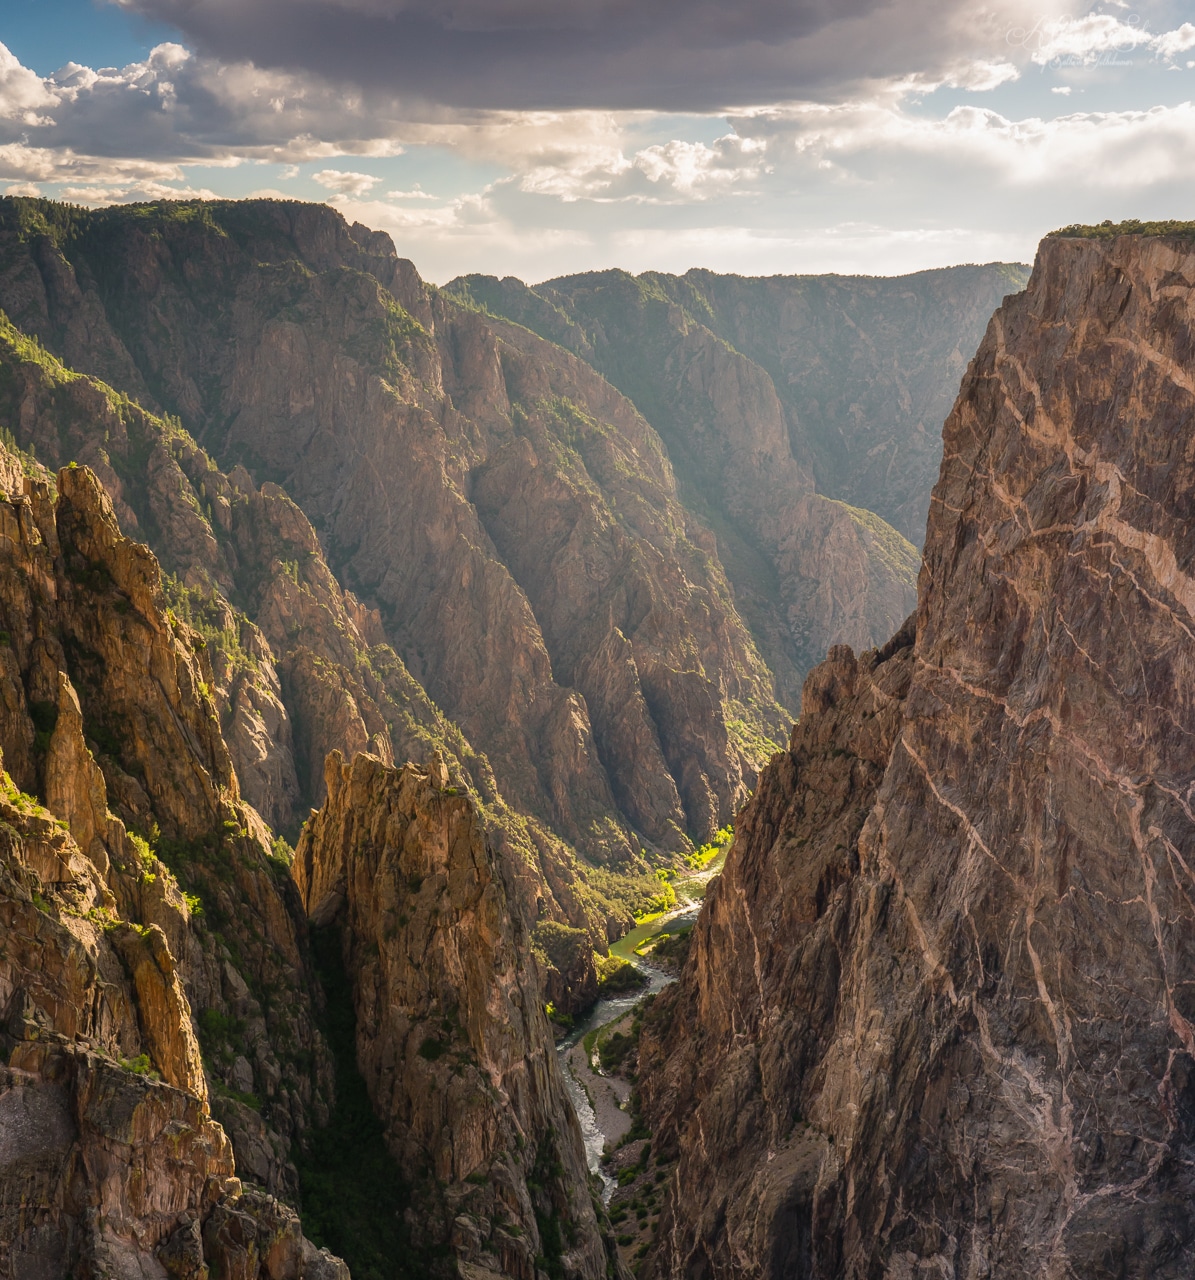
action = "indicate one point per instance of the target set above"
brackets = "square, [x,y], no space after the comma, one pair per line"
[111,1161]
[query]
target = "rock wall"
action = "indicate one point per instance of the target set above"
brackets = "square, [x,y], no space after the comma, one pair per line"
[451,1035]
[112,1162]
[934,1019]
[298,667]
[801,414]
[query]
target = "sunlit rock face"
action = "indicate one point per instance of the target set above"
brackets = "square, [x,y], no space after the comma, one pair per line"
[937,1017]
[124,1134]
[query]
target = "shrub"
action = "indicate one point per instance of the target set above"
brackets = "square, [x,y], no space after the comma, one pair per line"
[140,1066]
[431,1049]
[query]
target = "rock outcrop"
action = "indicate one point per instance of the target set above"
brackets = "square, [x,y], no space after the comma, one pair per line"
[452,1040]
[935,1018]
[117,984]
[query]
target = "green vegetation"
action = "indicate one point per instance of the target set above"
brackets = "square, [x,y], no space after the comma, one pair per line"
[661,902]
[700,858]
[44,716]
[210,615]
[250,1100]
[212,855]
[27,457]
[432,1048]
[559,1018]
[140,1066]
[673,947]
[145,857]
[21,800]
[1109,230]
[613,1052]
[220,1036]
[617,976]
[354,1195]
[545,1178]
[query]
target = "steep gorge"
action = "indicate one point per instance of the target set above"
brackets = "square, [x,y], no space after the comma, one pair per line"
[286,411]
[801,415]
[935,1016]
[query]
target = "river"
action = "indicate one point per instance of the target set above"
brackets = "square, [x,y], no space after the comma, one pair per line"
[597,1099]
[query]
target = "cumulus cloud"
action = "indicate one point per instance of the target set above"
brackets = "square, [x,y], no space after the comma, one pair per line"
[620,54]
[853,186]
[23,95]
[343,182]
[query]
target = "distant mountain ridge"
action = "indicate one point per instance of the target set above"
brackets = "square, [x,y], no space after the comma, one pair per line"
[801,414]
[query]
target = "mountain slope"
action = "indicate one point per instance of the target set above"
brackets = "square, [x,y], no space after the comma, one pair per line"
[602,668]
[935,1016]
[794,409]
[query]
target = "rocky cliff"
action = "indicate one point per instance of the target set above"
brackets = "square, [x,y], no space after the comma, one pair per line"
[451,1036]
[935,1015]
[119,985]
[601,664]
[161,1018]
[801,415]
[298,666]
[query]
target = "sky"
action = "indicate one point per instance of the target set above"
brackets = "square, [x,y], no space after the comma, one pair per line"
[542,137]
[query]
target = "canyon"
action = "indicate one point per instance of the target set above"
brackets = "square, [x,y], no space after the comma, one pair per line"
[374,656]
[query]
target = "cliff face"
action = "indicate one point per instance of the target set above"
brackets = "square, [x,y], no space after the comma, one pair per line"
[452,1040]
[935,1015]
[600,664]
[796,410]
[298,667]
[111,1160]
[867,368]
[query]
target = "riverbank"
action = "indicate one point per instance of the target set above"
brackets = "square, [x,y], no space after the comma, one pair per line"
[609,1096]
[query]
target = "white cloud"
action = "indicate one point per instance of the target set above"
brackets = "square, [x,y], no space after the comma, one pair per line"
[1099,38]
[23,95]
[981,75]
[343,182]
[559,191]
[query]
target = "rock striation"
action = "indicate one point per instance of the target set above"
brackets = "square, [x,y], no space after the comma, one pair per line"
[935,1017]
[452,1040]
